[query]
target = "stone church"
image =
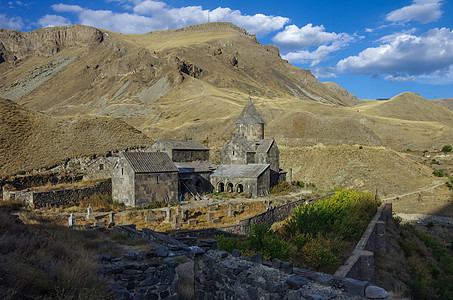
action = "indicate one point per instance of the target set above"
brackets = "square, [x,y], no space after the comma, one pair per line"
[248,147]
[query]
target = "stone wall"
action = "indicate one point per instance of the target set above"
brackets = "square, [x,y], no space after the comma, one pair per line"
[181,155]
[39,199]
[244,226]
[360,265]
[220,275]
[143,275]
[152,187]
[22,182]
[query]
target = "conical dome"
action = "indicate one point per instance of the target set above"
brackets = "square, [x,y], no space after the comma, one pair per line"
[249,115]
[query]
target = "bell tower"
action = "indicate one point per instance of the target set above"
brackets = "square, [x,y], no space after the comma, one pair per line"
[250,124]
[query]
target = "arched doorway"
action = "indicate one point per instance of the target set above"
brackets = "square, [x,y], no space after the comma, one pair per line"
[220,187]
[229,187]
[239,188]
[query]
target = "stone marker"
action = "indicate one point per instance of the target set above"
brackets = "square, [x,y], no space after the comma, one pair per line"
[71,220]
[99,224]
[210,216]
[89,215]
[111,219]
[168,214]
[212,208]
[149,218]
[231,211]
[192,222]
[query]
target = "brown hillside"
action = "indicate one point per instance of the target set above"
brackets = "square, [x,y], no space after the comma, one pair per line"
[30,140]
[446,103]
[350,167]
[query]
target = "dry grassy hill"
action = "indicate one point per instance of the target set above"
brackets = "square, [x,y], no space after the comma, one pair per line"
[30,140]
[446,103]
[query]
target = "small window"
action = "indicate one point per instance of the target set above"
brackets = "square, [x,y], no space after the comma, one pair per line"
[157,179]
[233,152]
[122,171]
[101,167]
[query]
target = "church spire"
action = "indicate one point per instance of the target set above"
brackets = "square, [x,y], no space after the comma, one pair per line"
[249,115]
[250,124]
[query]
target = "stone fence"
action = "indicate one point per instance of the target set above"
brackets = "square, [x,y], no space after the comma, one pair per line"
[360,265]
[244,226]
[22,182]
[37,199]
[221,275]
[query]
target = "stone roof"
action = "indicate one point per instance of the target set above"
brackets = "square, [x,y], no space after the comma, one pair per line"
[195,166]
[150,162]
[182,144]
[240,171]
[249,115]
[249,146]
[264,145]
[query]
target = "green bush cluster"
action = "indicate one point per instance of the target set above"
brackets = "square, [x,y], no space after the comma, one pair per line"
[439,173]
[446,148]
[315,236]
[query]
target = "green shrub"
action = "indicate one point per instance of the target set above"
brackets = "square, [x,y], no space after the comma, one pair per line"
[228,243]
[439,173]
[322,252]
[346,213]
[446,148]
[435,162]
[264,240]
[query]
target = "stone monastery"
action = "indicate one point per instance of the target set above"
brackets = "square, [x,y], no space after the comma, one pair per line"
[170,169]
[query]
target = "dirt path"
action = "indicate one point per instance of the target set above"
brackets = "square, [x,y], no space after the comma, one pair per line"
[428,188]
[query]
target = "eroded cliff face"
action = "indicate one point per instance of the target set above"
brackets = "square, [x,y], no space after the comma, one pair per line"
[16,45]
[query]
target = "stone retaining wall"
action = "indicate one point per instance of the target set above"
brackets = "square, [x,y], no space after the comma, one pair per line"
[59,197]
[22,182]
[220,275]
[360,265]
[244,226]
[143,275]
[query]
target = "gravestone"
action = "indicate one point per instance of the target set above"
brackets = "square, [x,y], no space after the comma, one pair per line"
[168,214]
[210,216]
[71,220]
[89,215]
[99,224]
[192,222]
[150,218]
[230,211]
[111,219]
[176,222]
[212,208]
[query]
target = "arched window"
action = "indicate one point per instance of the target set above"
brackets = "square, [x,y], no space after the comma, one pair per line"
[230,187]
[220,187]
[239,188]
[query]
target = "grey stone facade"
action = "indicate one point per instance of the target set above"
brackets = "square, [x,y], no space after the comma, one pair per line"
[253,179]
[194,177]
[181,150]
[140,178]
[248,145]
[100,168]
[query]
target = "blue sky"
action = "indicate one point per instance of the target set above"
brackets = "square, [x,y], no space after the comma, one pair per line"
[374,49]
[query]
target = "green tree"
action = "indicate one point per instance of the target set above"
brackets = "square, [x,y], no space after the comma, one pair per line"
[446,148]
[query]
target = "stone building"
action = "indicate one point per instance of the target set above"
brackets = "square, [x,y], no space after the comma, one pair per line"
[181,150]
[141,178]
[248,145]
[192,161]
[100,168]
[253,179]
[194,177]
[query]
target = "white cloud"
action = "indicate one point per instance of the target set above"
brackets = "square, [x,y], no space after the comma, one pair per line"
[15,23]
[67,8]
[151,15]
[52,21]
[295,38]
[400,35]
[405,56]
[424,11]
[297,41]
[402,78]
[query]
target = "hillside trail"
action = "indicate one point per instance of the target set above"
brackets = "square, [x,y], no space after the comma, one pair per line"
[437,184]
